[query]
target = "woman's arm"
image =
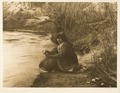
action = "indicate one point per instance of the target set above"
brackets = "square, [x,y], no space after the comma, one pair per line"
[54,51]
[63,52]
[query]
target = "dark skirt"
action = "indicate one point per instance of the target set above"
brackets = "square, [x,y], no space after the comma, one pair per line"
[48,64]
[51,64]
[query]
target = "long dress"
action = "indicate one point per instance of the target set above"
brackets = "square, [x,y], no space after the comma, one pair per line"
[63,58]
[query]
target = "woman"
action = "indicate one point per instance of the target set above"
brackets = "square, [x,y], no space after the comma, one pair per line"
[62,58]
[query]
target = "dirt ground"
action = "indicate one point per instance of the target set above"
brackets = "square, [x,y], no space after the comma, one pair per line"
[58,79]
[80,79]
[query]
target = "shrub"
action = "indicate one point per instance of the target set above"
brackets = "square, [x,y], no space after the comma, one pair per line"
[82,20]
[107,62]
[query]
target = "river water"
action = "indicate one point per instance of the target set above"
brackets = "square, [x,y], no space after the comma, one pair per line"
[21,57]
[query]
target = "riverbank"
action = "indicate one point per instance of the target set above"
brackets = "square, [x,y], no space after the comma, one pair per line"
[87,77]
[59,79]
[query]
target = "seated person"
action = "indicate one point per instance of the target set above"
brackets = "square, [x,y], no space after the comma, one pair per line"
[61,58]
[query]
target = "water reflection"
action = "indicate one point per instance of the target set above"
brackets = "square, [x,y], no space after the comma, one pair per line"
[21,56]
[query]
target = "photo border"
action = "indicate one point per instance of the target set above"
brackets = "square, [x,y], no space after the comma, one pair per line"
[59,90]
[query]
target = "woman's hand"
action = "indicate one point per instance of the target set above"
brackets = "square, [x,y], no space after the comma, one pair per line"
[45,51]
[48,55]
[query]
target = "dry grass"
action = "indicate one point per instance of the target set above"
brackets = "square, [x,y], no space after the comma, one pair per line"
[83,26]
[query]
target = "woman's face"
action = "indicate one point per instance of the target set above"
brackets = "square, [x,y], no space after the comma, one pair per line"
[59,40]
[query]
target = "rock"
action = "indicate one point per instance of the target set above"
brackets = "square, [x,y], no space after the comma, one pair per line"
[93,80]
[88,82]
[97,78]
[100,59]
[84,68]
[81,70]
[102,84]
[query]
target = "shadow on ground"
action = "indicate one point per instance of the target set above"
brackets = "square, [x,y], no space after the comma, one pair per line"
[59,79]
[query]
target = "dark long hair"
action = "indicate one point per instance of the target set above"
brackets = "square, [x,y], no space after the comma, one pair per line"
[62,36]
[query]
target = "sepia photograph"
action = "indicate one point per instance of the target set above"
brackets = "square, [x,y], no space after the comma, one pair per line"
[59,44]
